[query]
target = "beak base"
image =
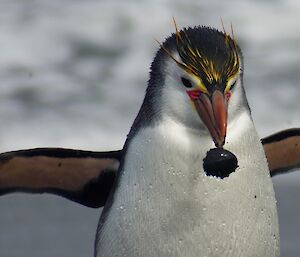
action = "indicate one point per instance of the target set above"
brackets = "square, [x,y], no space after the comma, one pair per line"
[213,113]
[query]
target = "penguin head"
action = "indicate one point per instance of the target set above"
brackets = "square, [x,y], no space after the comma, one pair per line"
[196,79]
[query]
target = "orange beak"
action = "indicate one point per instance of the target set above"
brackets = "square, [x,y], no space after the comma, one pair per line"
[213,112]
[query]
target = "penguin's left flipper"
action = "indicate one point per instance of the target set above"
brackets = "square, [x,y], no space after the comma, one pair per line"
[282,150]
[82,176]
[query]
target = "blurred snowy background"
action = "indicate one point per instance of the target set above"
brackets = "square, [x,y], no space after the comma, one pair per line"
[73,74]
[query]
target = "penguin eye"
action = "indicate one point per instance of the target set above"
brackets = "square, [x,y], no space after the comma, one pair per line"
[186,82]
[232,85]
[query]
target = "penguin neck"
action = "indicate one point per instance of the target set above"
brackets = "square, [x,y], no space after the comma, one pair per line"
[176,145]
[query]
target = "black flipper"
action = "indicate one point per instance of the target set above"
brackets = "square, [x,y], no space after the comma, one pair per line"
[82,176]
[283,151]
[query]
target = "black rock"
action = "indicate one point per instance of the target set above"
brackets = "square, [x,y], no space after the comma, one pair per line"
[219,162]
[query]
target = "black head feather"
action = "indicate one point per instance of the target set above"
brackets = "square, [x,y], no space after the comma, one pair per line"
[205,52]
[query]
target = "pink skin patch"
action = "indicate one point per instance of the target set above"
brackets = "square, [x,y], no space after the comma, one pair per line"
[228,95]
[194,94]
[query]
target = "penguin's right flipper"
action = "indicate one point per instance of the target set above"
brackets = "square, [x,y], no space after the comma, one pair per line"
[82,176]
[282,150]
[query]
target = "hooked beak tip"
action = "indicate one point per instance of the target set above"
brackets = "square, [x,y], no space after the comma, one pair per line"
[220,142]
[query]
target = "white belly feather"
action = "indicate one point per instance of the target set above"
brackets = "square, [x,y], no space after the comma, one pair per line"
[165,205]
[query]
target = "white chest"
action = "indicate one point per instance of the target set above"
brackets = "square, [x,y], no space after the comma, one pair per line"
[165,205]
